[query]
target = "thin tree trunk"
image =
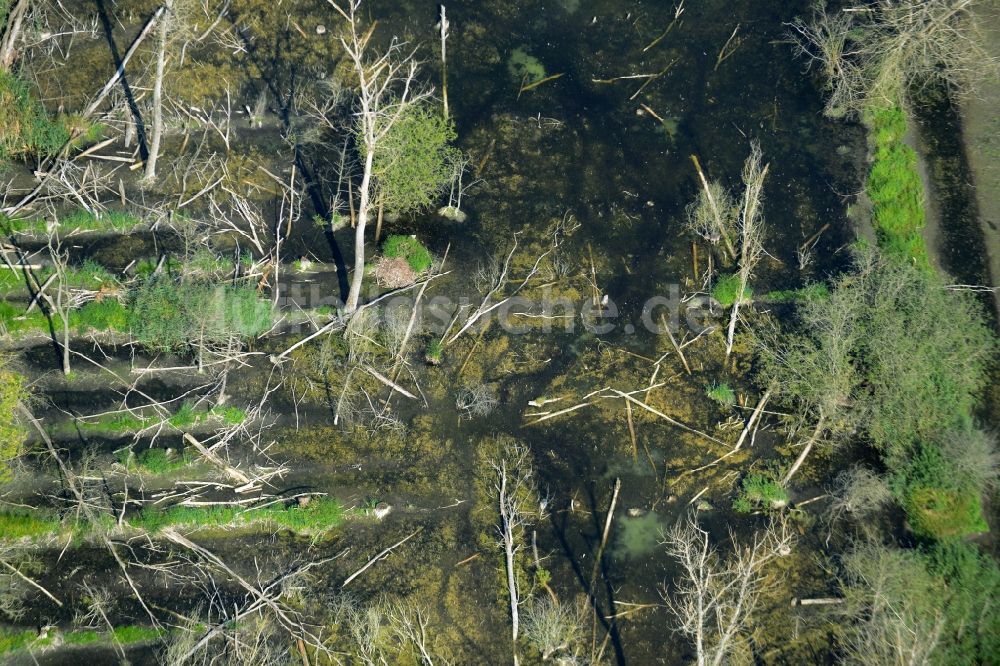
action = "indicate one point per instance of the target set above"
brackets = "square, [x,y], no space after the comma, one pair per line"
[359,235]
[733,317]
[805,452]
[161,62]
[65,346]
[720,225]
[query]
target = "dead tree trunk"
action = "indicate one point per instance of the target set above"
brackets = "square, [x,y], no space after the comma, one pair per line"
[805,451]
[161,64]
[8,47]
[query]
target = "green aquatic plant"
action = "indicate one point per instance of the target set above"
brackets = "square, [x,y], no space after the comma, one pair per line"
[721,393]
[760,492]
[525,68]
[410,249]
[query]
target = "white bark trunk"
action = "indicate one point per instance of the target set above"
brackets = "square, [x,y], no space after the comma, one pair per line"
[161,61]
[359,234]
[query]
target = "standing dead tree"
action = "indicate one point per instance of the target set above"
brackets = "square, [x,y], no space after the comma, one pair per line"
[714,598]
[161,65]
[387,88]
[751,231]
[514,490]
[177,28]
[62,303]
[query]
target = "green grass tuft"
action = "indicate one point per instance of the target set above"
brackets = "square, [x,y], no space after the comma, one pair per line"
[727,288]
[409,248]
[721,393]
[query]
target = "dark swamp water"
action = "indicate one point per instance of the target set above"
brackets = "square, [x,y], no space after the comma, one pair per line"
[571,147]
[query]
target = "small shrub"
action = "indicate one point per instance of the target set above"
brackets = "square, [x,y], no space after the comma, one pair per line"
[722,394]
[104,315]
[184,417]
[941,513]
[409,248]
[165,315]
[760,491]
[476,400]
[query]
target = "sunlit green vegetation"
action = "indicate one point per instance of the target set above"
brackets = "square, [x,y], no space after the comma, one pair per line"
[26,130]
[941,597]
[154,461]
[410,249]
[896,355]
[721,393]
[895,189]
[727,289]
[759,491]
[12,432]
[186,416]
[319,515]
[414,160]
[167,315]
[13,639]
[78,220]
[26,523]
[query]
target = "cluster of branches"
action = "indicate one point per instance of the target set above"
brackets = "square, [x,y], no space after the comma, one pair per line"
[873,53]
[714,597]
